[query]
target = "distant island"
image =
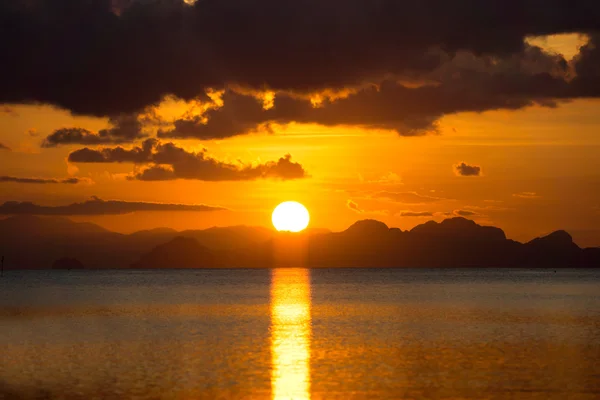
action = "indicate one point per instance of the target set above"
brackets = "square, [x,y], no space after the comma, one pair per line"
[31,242]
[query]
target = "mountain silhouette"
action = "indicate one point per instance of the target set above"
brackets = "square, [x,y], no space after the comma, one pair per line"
[67,263]
[29,225]
[455,242]
[180,252]
[30,242]
[37,242]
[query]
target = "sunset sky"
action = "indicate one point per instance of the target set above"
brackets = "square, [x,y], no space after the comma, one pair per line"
[357,109]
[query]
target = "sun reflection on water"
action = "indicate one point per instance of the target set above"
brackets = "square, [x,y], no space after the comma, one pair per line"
[290,334]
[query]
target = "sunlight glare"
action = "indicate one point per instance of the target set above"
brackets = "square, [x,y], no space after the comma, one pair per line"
[290,334]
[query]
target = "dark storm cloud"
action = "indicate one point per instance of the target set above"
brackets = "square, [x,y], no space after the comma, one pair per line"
[125,128]
[4,147]
[463,83]
[168,161]
[96,206]
[463,169]
[69,181]
[87,57]
[587,68]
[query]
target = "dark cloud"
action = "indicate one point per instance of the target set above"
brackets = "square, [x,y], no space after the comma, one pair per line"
[354,206]
[69,181]
[416,214]
[96,206]
[4,147]
[406,197]
[463,83]
[463,169]
[155,173]
[138,155]
[103,61]
[168,161]
[125,128]
[489,208]
[587,68]
[465,213]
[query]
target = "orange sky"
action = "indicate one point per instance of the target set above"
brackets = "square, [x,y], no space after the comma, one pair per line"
[539,170]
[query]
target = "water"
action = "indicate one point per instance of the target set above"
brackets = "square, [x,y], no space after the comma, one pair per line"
[299,334]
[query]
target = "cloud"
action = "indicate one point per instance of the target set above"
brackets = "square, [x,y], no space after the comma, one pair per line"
[69,181]
[389,178]
[4,147]
[354,206]
[416,214]
[406,197]
[464,213]
[461,85]
[32,132]
[167,161]
[138,155]
[125,128]
[105,59]
[463,169]
[489,208]
[96,206]
[527,195]
[586,66]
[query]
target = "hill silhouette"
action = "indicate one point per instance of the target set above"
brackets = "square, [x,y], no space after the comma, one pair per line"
[30,242]
[36,242]
[67,263]
[180,252]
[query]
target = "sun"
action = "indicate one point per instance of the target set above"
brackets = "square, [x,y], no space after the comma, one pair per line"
[290,216]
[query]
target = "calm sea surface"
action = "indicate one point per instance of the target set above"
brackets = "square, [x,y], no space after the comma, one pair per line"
[300,334]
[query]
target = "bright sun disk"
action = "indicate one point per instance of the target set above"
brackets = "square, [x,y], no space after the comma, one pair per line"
[290,216]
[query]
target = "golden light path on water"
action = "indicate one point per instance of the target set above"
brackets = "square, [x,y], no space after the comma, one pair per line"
[290,334]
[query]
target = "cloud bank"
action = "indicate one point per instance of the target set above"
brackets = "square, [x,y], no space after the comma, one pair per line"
[43,181]
[400,65]
[126,128]
[96,206]
[167,161]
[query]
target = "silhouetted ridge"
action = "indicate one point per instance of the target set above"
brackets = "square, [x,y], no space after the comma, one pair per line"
[368,227]
[67,263]
[36,242]
[28,225]
[556,249]
[557,239]
[459,228]
[180,252]
[155,231]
